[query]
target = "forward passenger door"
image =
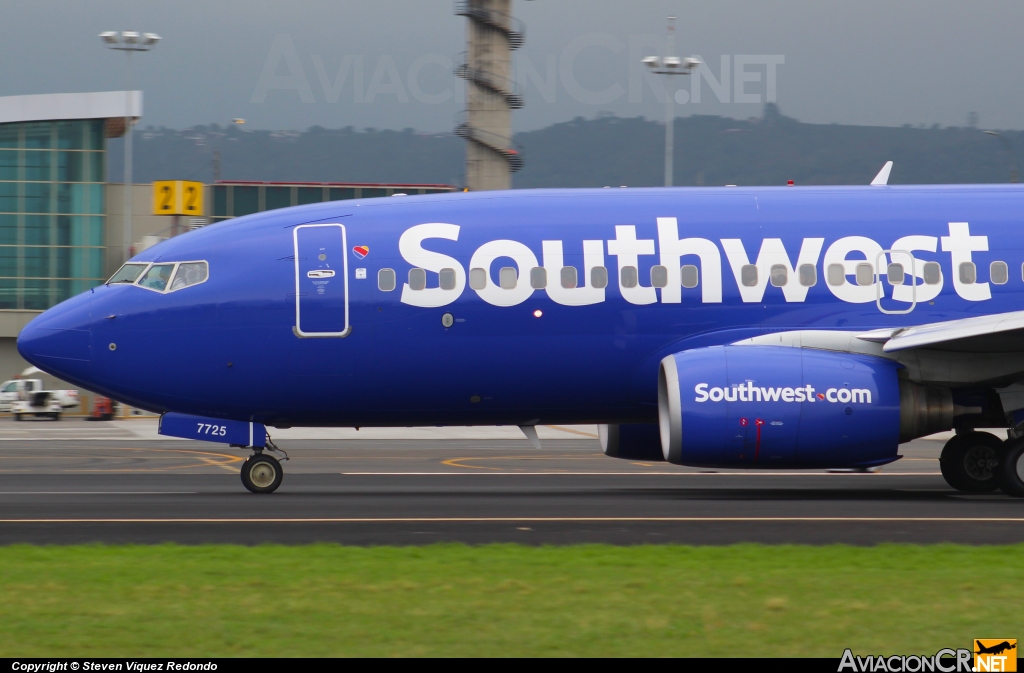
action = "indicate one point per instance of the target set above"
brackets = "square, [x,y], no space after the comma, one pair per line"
[321,281]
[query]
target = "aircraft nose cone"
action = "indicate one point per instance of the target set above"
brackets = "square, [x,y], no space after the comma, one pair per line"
[59,340]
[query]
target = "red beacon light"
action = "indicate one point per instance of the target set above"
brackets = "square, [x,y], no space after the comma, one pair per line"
[789,183]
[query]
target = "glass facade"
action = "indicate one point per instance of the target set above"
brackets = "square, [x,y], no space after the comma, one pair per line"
[237,199]
[52,178]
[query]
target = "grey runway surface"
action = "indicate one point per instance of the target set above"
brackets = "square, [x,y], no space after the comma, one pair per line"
[379,491]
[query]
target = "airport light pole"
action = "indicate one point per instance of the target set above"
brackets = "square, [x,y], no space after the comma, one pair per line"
[128,42]
[237,121]
[670,65]
[1009,150]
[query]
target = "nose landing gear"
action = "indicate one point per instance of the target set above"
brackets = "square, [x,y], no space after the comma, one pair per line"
[261,472]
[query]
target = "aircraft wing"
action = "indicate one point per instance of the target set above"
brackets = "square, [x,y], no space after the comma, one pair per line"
[998,333]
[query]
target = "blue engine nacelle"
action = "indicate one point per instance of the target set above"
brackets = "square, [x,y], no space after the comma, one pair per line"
[631,441]
[771,406]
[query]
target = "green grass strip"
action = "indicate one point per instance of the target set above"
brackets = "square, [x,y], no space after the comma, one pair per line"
[499,600]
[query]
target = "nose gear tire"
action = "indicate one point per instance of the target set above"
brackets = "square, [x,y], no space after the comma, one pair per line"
[971,462]
[261,473]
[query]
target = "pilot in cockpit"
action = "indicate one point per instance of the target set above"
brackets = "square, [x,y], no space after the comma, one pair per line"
[158,281]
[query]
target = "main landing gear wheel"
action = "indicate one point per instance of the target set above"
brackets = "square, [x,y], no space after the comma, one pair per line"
[262,473]
[1011,472]
[971,462]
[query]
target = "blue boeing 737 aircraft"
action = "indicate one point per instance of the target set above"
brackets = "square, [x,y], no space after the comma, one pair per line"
[814,327]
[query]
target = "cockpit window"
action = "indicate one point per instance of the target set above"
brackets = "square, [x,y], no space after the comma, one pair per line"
[157,277]
[128,273]
[189,273]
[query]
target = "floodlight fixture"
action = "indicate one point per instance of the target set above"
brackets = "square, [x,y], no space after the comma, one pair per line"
[128,41]
[669,64]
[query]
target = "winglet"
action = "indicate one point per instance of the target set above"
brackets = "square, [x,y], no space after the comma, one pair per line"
[882,179]
[531,434]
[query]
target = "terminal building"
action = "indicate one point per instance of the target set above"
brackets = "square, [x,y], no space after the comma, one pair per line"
[61,221]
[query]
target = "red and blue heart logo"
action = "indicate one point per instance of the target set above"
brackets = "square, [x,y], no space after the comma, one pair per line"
[361,251]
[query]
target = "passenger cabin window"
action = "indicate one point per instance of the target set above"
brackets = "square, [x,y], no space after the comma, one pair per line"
[659,276]
[865,274]
[478,278]
[447,277]
[599,277]
[628,277]
[417,279]
[748,275]
[386,280]
[998,273]
[836,274]
[568,277]
[538,278]
[808,275]
[779,275]
[157,277]
[508,278]
[12,387]
[189,273]
[689,276]
[932,273]
[895,274]
[129,273]
[968,273]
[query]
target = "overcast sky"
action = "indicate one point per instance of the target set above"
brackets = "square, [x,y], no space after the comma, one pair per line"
[387,63]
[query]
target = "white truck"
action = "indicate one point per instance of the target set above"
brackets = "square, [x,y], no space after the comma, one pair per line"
[24,390]
[43,404]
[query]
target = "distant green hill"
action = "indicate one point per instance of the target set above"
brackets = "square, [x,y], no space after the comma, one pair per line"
[595,152]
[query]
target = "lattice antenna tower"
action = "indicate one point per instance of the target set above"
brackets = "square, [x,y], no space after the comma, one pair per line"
[491,93]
